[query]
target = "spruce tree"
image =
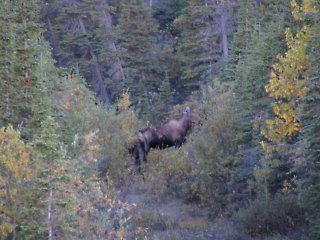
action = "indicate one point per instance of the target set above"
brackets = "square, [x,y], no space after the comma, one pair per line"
[81,33]
[310,121]
[163,99]
[197,46]
[166,12]
[288,87]
[20,27]
[137,39]
[241,40]
[48,85]
[51,175]
[257,42]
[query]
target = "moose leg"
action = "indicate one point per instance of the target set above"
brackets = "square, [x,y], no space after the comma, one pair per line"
[135,156]
[144,145]
[141,156]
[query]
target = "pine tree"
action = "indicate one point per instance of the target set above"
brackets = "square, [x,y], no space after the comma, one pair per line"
[49,84]
[197,46]
[308,13]
[19,28]
[51,175]
[258,40]
[166,12]
[137,39]
[287,86]
[163,99]
[82,36]
[241,40]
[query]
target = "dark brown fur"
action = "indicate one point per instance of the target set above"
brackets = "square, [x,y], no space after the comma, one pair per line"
[172,133]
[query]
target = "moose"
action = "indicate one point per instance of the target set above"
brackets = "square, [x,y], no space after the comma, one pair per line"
[172,133]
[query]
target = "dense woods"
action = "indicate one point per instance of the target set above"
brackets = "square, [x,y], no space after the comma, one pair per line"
[79,78]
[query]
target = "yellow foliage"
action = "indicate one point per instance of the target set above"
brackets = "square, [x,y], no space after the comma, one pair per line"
[15,169]
[288,81]
[124,102]
[288,85]
[308,6]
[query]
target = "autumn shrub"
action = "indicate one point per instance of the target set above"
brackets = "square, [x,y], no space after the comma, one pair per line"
[214,177]
[99,132]
[164,171]
[94,139]
[270,215]
[91,134]
[15,172]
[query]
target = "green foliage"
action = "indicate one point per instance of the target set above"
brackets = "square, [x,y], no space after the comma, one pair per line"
[267,216]
[256,43]
[213,154]
[287,86]
[258,40]
[100,162]
[19,28]
[81,34]
[166,12]
[196,47]
[167,172]
[51,175]
[309,188]
[137,39]
[163,100]
[97,131]
[80,146]
[50,84]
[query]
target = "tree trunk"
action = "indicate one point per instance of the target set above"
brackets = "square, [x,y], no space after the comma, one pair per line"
[50,215]
[54,40]
[116,71]
[99,85]
[223,29]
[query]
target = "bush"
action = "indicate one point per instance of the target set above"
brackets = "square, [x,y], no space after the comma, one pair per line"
[212,154]
[165,170]
[99,132]
[270,215]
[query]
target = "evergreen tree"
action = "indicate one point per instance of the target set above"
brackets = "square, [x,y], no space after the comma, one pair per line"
[288,86]
[256,44]
[81,33]
[49,84]
[163,99]
[19,28]
[241,40]
[197,45]
[166,12]
[311,120]
[51,176]
[137,39]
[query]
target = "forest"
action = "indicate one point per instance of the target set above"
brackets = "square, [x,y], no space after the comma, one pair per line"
[80,78]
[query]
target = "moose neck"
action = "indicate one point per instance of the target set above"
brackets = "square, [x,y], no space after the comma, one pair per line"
[185,122]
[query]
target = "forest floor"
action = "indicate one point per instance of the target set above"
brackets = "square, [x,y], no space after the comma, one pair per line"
[168,217]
